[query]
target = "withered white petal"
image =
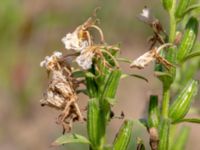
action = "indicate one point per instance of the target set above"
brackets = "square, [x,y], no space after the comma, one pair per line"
[85,59]
[145,13]
[50,59]
[143,60]
[71,41]
[147,57]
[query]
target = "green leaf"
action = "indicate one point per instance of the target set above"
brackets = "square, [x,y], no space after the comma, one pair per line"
[181,139]
[164,134]
[190,120]
[123,136]
[126,60]
[153,112]
[191,55]
[134,75]
[78,74]
[70,138]
[181,105]
[192,8]
[111,101]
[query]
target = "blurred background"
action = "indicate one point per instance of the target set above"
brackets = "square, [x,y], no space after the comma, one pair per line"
[32,29]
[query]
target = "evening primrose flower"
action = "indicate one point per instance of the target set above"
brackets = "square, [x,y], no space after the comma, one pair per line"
[85,59]
[50,61]
[72,41]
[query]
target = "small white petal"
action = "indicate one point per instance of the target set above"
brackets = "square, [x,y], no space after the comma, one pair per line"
[84,60]
[145,13]
[42,63]
[57,54]
[71,41]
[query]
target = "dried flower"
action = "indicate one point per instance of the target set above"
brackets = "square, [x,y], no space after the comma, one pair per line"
[146,16]
[85,59]
[149,56]
[81,37]
[72,41]
[50,61]
[61,92]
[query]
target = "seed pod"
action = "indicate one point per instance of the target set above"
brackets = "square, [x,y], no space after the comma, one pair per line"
[94,123]
[167,4]
[111,86]
[164,135]
[153,115]
[182,6]
[181,105]
[189,38]
[91,87]
[123,136]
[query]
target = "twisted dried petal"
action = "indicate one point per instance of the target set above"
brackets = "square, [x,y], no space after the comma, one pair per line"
[50,61]
[84,60]
[72,41]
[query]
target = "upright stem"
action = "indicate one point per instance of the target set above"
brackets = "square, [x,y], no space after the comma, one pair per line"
[165,102]
[172,34]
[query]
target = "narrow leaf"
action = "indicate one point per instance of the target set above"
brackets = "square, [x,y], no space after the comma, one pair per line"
[192,8]
[191,55]
[70,138]
[191,120]
[134,75]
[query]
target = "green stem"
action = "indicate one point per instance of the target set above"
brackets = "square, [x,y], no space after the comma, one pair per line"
[172,35]
[172,32]
[165,102]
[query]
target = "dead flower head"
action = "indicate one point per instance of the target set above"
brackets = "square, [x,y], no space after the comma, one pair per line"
[81,37]
[149,56]
[61,92]
[50,62]
[85,59]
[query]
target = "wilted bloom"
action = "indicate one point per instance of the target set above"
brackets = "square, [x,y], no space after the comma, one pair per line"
[85,59]
[81,38]
[149,56]
[50,61]
[74,42]
[61,91]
